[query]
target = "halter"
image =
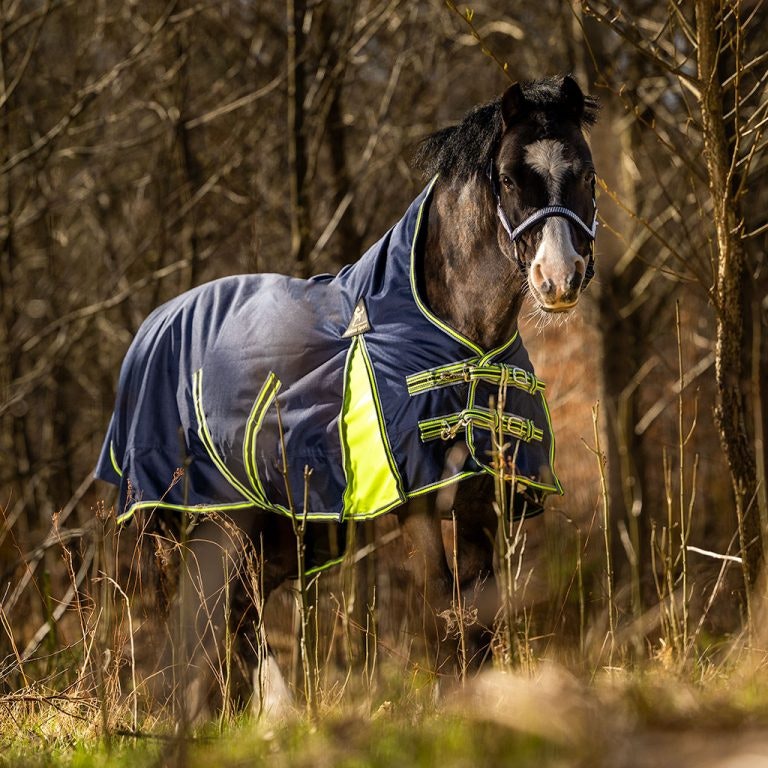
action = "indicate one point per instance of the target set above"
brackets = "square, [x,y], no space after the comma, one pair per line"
[540,215]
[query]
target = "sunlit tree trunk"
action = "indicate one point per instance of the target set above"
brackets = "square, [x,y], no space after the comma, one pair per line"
[731,278]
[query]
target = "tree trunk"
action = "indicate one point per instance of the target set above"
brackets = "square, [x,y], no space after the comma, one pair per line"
[730,289]
[348,245]
[297,149]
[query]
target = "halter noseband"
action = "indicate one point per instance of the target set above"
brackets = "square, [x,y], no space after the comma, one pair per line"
[540,215]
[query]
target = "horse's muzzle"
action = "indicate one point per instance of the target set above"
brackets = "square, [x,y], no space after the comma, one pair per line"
[554,295]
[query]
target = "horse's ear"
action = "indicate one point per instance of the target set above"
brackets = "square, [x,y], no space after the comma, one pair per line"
[573,98]
[513,105]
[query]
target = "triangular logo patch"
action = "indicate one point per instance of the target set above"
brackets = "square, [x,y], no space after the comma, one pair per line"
[359,322]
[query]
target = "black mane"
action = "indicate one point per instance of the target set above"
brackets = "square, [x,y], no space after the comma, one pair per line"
[465,149]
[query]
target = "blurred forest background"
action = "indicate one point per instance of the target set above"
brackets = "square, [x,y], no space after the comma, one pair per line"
[147,146]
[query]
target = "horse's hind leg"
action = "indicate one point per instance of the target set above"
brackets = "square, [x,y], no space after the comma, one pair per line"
[216,564]
[210,566]
[271,560]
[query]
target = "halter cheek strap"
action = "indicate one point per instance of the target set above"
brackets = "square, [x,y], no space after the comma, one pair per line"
[540,215]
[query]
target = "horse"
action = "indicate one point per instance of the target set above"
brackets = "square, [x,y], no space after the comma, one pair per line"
[271,401]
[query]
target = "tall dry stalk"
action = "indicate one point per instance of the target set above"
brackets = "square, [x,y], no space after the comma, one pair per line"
[459,607]
[226,681]
[307,638]
[509,545]
[261,649]
[669,548]
[180,653]
[349,585]
[503,542]
[134,696]
[605,503]
[358,603]
[103,626]
[683,510]
[581,595]
[370,667]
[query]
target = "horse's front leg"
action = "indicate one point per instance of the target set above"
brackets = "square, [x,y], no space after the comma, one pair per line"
[430,574]
[476,524]
[471,543]
[474,543]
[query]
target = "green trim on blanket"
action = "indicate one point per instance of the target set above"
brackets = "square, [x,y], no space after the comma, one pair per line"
[196,509]
[205,437]
[113,459]
[436,486]
[261,405]
[423,308]
[324,567]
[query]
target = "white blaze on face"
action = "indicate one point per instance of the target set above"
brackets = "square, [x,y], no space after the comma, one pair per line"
[556,259]
[547,158]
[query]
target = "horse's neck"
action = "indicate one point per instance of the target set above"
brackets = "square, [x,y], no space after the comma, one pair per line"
[469,283]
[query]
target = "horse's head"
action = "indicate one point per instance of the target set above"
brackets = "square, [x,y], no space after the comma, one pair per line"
[544,183]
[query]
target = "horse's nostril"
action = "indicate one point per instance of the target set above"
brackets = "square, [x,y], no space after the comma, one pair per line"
[544,285]
[575,281]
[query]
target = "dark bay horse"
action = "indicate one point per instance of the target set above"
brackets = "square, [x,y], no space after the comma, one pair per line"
[268,400]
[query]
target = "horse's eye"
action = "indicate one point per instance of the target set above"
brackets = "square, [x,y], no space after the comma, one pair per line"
[589,177]
[506,181]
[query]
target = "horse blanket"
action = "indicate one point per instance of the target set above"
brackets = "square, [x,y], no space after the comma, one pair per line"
[336,397]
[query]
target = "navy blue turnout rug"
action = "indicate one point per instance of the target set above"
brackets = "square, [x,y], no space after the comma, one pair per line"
[249,391]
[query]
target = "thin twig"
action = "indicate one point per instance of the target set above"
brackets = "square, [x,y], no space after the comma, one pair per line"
[66,601]
[466,17]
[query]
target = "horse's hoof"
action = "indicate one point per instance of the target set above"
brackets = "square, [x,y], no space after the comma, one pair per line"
[271,698]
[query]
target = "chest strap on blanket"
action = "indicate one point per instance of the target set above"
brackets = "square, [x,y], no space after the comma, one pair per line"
[468,370]
[447,427]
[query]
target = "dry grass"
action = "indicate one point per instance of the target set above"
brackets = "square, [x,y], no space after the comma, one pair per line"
[544,716]
[586,666]
[558,689]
